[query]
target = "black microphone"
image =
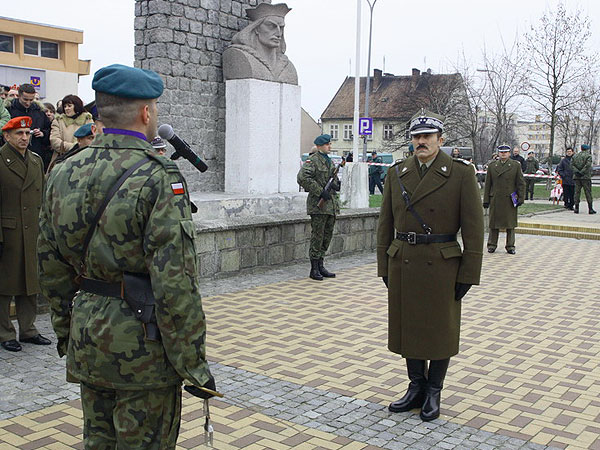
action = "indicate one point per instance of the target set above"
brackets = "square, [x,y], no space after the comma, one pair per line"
[181,147]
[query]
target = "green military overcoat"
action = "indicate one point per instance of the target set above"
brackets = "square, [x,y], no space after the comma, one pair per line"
[313,176]
[424,317]
[500,182]
[21,185]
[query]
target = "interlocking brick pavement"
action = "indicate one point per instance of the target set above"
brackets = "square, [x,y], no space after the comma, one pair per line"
[304,364]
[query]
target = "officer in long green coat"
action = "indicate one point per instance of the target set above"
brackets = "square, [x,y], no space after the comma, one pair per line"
[582,175]
[504,187]
[130,383]
[313,176]
[21,188]
[418,255]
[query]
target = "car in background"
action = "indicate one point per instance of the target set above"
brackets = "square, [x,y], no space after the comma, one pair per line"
[595,171]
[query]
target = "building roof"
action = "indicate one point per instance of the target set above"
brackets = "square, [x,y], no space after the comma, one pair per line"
[393,97]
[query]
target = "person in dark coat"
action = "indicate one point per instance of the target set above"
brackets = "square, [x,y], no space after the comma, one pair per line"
[24,105]
[504,192]
[565,171]
[421,262]
[516,156]
[21,190]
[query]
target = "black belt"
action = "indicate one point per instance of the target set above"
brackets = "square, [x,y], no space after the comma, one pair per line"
[413,238]
[100,287]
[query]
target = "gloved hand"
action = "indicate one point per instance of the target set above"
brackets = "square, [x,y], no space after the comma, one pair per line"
[62,345]
[519,203]
[325,195]
[460,290]
[197,392]
[385,281]
[336,185]
[486,205]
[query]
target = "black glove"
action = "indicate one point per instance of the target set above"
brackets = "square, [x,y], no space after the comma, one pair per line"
[460,290]
[62,345]
[197,392]
[385,281]
[336,186]
[486,205]
[325,195]
[519,203]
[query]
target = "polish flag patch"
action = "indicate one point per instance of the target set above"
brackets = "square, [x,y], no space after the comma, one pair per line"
[177,188]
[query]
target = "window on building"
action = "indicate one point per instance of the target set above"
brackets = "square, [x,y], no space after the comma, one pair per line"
[388,131]
[41,48]
[347,132]
[334,130]
[7,43]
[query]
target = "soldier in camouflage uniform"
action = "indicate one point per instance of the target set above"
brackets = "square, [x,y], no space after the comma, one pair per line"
[130,385]
[582,175]
[313,176]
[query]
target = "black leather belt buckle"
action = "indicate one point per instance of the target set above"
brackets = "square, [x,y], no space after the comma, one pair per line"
[411,237]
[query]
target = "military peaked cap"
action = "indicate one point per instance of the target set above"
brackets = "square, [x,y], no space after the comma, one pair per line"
[128,82]
[503,148]
[426,122]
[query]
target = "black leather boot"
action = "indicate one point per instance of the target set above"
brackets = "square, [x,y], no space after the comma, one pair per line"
[415,395]
[323,271]
[314,270]
[576,208]
[435,382]
[590,209]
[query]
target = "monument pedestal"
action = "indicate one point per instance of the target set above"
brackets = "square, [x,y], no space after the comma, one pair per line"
[354,193]
[262,137]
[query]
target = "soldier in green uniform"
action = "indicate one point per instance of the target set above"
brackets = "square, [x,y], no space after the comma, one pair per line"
[313,176]
[504,181]
[428,198]
[21,189]
[531,167]
[130,382]
[582,175]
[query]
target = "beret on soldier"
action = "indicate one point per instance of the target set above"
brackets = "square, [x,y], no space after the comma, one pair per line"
[128,82]
[585,147]
[17,122]
[83,131]
[322,140]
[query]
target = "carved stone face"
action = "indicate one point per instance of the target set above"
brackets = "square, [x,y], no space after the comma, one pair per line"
[270,32]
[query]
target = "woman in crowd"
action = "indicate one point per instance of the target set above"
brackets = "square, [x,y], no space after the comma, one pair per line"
[50,111]
[64,125]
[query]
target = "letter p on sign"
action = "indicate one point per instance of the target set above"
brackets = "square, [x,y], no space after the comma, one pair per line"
[365,125]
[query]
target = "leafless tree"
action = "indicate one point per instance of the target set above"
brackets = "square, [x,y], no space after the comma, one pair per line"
[590,110]
[556,57]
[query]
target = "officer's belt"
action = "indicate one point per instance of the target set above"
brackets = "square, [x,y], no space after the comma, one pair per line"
[103,288]
[413,238]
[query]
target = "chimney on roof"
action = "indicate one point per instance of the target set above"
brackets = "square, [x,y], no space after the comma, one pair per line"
[414,80]
[376,79]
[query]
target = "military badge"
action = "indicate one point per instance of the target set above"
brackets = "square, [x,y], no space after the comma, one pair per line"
[177,188]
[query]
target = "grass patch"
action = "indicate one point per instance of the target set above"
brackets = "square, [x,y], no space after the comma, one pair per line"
[375,201]
[529,208]
[541,193]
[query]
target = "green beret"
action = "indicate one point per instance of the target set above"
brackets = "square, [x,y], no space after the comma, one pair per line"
[322,140]
[83,131]
[585,147]
[128,82]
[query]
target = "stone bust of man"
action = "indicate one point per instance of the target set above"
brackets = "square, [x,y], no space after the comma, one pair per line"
[258,50]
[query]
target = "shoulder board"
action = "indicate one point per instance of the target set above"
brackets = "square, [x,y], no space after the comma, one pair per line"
[168,164]
[464,161]
[398,161]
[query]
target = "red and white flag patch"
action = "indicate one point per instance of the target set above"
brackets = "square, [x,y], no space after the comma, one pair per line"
[177,188]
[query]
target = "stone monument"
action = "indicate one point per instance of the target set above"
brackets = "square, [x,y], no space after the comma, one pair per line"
[262,97]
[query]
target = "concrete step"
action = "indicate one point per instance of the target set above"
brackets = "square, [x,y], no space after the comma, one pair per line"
[559,227]
[559,231]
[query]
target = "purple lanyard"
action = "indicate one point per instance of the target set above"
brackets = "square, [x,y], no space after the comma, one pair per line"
[124,133]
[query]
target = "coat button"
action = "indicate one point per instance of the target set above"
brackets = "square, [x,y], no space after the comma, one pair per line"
[406,261]
[430,262]
[26,227]
[24,208]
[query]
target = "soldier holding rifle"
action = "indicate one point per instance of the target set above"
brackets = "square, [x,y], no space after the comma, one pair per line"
[318,176]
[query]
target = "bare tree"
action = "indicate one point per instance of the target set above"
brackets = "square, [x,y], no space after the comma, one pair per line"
[557,60]
[590,110]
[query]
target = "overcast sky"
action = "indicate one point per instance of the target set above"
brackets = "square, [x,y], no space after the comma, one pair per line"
[321,35]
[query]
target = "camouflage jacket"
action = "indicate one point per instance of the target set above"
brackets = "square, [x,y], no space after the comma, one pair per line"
[313,176]
[146,228]
[582,165]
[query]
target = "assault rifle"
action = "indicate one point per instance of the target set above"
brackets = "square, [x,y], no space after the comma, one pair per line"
[327,188]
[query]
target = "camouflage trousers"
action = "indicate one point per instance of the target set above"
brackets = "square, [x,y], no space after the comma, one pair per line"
[321,234]
[587,188]
[120,419]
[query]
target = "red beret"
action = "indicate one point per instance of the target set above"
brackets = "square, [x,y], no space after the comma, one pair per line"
[17,122]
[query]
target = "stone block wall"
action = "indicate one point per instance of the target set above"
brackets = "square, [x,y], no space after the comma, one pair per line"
[227,250]
[183,40]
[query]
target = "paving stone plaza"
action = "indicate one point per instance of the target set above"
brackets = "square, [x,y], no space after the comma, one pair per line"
[304,364]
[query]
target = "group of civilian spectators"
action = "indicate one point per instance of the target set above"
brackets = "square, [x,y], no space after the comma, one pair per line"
[52,128]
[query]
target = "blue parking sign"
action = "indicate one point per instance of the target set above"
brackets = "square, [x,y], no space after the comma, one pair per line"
[365,125]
